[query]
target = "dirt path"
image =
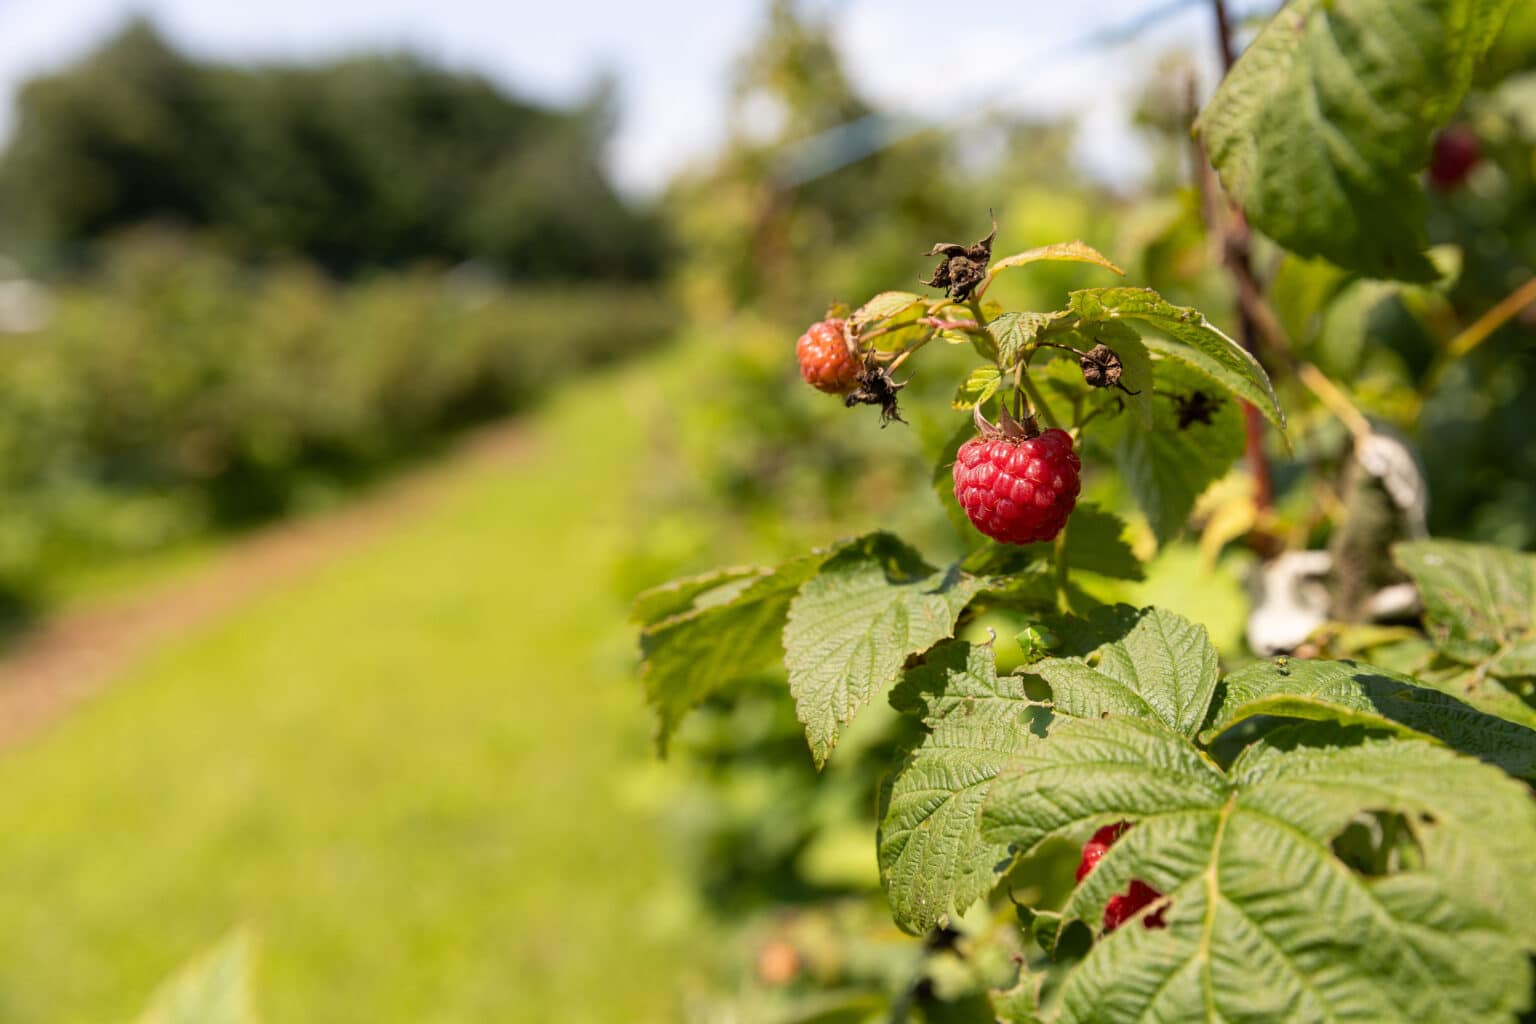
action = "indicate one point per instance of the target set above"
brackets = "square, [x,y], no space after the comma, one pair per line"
[70,656]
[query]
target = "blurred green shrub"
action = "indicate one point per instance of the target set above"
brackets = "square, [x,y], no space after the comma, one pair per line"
[181,391]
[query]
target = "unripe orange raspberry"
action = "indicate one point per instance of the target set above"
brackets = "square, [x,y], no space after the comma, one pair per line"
[825,361]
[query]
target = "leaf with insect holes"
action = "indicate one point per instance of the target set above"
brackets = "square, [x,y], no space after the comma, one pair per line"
[1147,663]
[980,386]
[1061,252]
[700,634]
[1185,335]
[1171,465]
[884,306]
[1356,694]
[1013,332]
[1320,128]
[1263,918]
[1479,603]
[854,623]
[932,858]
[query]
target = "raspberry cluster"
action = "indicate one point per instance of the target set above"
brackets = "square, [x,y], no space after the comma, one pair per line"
[1018,490]
[825,360]
[1121,906]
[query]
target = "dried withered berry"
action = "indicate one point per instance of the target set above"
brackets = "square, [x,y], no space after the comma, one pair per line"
[963,267]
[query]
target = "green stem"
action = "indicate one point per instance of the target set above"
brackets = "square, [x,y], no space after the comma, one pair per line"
[925,339]
[1035,400]
[1063,596]
[974,302]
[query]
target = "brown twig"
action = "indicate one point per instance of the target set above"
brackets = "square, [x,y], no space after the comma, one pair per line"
[1237,257]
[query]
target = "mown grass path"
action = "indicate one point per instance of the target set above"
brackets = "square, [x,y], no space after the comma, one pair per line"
[407,770]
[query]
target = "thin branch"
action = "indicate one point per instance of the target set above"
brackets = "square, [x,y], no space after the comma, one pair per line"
[1225,219]
[1224,35]
[1335,400]
[1478,331]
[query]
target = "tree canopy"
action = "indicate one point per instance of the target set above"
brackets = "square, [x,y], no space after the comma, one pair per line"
[360,162]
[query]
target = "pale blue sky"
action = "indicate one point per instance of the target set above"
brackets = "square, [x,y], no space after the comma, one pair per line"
[673,57]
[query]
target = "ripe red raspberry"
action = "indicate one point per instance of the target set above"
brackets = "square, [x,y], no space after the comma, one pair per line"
[825,362]
[1018,491]
[1120,907]
[1456,152]
[1095,849]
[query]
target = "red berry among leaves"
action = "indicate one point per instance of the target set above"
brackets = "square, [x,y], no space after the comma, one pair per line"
[1121,907]
[1124,906]
[1095,849]
[1456,152]
[1018,490]
[825,361]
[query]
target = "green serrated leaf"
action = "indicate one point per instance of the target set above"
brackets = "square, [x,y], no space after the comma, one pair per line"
[1190,338]
[215,988]
[980,386]
[1320,128]
[1014,331]
[1020,1004]
[1480,690]
[1095,543]
[701,634]
[1355,694]
[1061,252]
[681,595]
[1263,921]
[1149,664]
[884,306]
[1479,603]
[854,623]
[932,857]
[1168,467]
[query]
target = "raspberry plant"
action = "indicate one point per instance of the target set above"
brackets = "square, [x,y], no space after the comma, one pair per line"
[1307,839]
[1329,838]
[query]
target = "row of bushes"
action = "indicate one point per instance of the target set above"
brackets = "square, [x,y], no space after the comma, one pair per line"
[177,392]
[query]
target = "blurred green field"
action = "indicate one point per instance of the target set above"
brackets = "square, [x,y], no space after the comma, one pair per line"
[416,776]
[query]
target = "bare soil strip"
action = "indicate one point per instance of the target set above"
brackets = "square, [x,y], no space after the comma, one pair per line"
[67,658]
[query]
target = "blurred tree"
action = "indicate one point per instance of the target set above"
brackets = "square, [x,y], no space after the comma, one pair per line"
[758,225]
[358,163]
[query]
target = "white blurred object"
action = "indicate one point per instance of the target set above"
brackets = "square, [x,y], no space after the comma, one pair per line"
[1391,461]
[1290,600]
[25,306]
[1295,594]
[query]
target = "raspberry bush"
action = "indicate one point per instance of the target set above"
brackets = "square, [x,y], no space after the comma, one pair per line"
[1300,838]
[1214,809]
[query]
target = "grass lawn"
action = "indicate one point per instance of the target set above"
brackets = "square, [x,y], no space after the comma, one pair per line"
[410,775]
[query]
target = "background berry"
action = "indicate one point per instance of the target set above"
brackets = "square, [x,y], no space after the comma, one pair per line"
[1095,849]
[1456,152]
[825,362]
[1120,907]
[1018,491]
